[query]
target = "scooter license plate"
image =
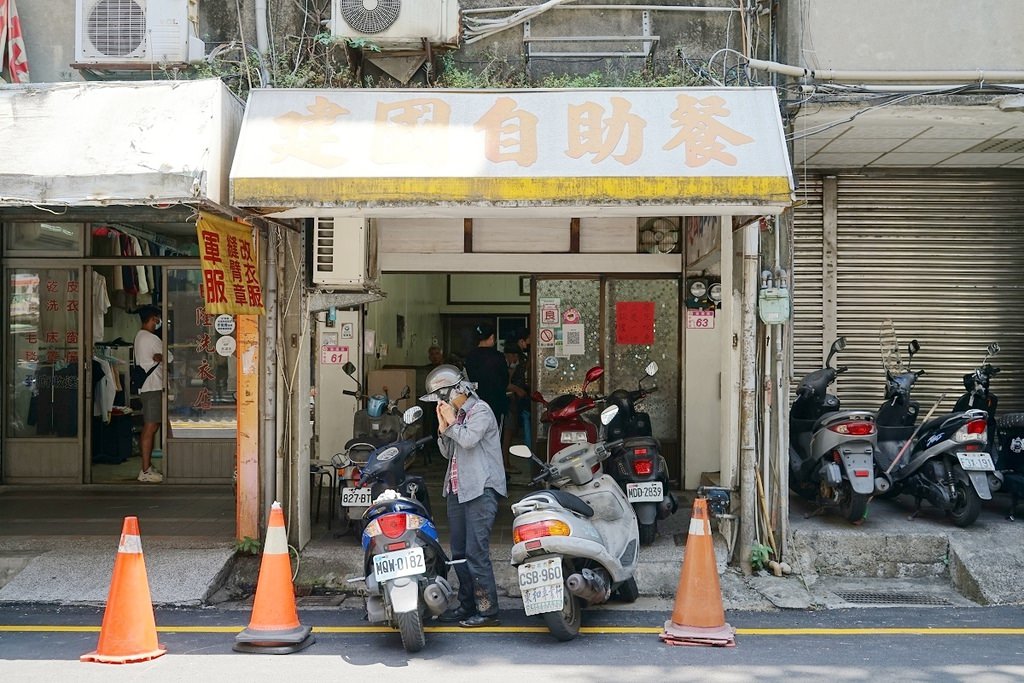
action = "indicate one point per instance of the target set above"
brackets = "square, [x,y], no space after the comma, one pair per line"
[408,562]
[356,497]
[542,586]
[645,492]
[976,461]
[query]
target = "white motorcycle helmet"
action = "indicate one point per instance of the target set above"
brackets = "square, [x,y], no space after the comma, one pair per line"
[443,381]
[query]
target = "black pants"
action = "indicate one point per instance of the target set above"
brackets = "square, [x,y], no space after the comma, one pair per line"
[470,526]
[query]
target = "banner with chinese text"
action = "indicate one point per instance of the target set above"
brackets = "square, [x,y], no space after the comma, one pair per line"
[231,282]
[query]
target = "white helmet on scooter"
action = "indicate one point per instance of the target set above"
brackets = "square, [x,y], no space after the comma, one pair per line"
[443,381]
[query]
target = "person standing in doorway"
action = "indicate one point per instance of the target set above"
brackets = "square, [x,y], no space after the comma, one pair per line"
[474,481]
[486,366]
[149,349]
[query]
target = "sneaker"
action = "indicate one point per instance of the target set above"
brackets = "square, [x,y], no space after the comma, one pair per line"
[150,476]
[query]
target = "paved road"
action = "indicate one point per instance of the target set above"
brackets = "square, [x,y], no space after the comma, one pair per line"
[983,645]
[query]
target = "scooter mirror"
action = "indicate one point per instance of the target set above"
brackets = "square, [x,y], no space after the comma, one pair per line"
[412,414]
[348,368]
[993,348]
[520,451]
[593,374]
[651,369]
[837,346]
[538,397]
[405,393]
[608,414]
[913,347]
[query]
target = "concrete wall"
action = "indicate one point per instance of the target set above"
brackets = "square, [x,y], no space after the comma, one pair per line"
[909,34]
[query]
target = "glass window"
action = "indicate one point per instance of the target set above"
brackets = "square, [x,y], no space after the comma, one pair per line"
[44,239]
[43,352]
[201,399]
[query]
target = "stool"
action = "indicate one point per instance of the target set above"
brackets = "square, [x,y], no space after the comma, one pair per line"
[318,471]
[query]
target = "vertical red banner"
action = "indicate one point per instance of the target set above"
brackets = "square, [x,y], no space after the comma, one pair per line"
[634,322]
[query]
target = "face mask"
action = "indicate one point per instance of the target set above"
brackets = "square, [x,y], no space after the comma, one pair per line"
[159,325]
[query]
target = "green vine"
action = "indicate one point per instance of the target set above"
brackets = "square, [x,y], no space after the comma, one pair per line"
[248,546]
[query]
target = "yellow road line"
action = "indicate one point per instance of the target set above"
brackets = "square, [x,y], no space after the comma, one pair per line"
[594,630]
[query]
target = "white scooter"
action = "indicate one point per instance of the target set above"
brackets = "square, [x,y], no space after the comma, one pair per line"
[576,543]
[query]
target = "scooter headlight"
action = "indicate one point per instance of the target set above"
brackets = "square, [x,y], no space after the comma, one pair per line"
[547,527]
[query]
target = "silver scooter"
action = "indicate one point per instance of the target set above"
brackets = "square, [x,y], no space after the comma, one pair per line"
[576,543]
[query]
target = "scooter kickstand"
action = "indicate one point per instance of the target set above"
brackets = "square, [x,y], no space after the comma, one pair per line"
[917,510]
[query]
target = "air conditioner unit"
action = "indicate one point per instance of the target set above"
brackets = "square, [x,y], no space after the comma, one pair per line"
[339,256]
[396,22]
[126,32]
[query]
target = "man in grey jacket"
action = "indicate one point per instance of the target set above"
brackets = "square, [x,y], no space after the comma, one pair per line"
[469,438]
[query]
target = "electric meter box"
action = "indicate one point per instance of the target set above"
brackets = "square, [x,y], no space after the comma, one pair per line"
[773,305]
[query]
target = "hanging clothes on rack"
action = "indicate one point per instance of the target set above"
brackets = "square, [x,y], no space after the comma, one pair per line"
[100,305]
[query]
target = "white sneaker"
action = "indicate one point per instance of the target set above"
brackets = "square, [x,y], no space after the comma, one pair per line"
[150,476]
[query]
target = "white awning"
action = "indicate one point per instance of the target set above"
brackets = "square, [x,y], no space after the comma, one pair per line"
[407,150]
[123,143]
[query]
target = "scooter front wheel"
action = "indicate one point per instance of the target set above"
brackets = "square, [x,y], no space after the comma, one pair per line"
[647,533]
[565,624]
[410,625]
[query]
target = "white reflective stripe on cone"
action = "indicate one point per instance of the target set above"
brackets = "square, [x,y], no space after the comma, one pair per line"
[697,527]
[130,544]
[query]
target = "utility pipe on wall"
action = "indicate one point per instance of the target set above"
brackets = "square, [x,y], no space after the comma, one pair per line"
[748,398]
[961,76]
[268,428]
[262,38]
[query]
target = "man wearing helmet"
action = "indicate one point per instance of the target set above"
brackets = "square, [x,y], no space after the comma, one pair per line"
[469,438]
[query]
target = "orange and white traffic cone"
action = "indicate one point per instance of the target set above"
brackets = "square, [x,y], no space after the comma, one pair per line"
[698,617]
[274,627]
[128,633]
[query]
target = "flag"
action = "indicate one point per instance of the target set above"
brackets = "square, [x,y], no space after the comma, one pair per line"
[12,43]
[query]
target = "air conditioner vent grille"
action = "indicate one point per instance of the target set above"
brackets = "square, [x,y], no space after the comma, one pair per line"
[370,16]
[116,27]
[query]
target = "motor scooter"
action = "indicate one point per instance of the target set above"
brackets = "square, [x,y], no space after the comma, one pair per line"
[377,423]
[1005,432]
[942,460]
[564,415]
[832,451]
[638,465]
[576,543]
[404,565]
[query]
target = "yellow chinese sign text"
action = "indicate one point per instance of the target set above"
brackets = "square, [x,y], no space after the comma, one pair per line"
[231,281]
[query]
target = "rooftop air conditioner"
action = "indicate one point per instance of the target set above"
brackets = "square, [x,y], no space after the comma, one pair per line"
[394,22]
[126,32]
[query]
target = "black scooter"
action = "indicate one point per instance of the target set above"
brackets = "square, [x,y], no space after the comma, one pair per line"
[831,451]
[1005,432]
[636,464]
[941,461]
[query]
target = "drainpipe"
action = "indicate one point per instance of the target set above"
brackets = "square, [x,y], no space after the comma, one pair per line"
[268,430]
[961,76]
[262,39]
[748,397]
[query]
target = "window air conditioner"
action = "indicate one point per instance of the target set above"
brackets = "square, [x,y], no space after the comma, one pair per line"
[394,22]
[126,32]
[339,255]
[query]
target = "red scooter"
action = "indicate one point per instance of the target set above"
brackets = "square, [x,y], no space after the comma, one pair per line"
[564,415]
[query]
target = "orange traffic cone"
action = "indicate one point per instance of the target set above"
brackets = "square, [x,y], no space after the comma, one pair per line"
[274,627]
[698,617]
[128,633]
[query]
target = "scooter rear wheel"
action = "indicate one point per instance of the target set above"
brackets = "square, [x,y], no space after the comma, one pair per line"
[410,625]
[628,590]
[565,624]
[854,505]
[967,505]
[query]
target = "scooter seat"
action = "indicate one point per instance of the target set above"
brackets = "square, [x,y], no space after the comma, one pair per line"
[566,500]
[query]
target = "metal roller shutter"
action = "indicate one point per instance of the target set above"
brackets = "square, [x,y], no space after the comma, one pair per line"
[942,255]
[806,279]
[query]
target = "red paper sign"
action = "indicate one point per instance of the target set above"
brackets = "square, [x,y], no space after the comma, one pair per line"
[634,322]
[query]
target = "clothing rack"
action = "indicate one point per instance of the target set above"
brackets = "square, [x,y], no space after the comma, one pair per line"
[148,237]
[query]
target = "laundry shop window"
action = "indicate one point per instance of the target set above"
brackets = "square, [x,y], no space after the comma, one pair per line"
[43,239]
[43,351]
[201,393]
